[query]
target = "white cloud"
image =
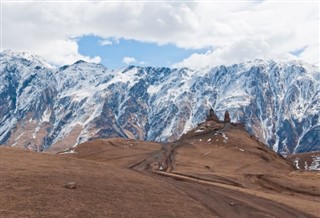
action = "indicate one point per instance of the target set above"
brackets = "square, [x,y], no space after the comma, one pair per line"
[105,42]
[64,52]
[129,60]
[267,31]
[233,31]
[240,50]
[142,63]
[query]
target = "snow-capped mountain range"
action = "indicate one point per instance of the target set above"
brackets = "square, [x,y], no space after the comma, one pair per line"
[48,108]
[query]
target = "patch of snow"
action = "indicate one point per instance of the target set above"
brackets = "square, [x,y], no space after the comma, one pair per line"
[16,139]
[296,161]
[34,135]
[70,151]
[315,165]
[188,126]
[137,120]
[167,131]
[198,130]
[46,115]
[225,138]
[129,77]
[153,89]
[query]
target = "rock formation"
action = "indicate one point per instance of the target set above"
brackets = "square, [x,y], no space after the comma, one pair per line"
[71,185]
[227,117]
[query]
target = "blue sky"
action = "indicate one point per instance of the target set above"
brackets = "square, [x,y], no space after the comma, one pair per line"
[116,53]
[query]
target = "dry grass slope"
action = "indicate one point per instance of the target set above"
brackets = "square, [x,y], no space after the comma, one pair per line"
[215,170]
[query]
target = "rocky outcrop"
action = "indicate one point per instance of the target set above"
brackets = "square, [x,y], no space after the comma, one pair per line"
[71,185]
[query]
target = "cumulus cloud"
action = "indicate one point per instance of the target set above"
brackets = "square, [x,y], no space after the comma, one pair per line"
[241,50]
[64,52]
[266,31]
[129,60]
[231,31]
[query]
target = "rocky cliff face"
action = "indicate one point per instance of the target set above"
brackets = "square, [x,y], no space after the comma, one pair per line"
[42,107]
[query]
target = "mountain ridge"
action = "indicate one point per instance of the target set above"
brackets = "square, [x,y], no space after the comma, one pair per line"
[58,108]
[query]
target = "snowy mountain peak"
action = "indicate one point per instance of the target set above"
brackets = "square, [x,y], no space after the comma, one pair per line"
[12,55]
[44,108]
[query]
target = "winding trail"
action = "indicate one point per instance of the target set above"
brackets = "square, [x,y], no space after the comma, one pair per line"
[220,199]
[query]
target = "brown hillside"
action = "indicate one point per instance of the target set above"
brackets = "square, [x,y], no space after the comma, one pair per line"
[216,170]
[33,185]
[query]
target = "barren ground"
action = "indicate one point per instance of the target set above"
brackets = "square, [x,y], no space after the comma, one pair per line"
[213,171]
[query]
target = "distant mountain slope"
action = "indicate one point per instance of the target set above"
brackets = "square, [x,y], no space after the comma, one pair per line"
[306,161]
[46,108]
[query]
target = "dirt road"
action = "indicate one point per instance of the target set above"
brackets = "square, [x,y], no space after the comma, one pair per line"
[221,202]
